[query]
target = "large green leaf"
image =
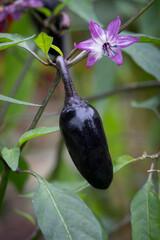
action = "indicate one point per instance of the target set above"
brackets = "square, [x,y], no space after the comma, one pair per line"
[146,56]
[11,156]
[63,215]
[145,214]
[151,103]
[37,132]
[15,39]
[13,100]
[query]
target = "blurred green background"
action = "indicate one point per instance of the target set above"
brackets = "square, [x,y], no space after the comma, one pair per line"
[130,131]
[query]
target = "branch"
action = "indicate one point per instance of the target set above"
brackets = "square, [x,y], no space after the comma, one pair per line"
[132,19]
[122,89]
[44,103]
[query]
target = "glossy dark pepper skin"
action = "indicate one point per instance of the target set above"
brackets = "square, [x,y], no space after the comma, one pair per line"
[83,133]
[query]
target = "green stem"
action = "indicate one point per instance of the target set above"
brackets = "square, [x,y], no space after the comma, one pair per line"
[44,103]
[132,19]
[3,183]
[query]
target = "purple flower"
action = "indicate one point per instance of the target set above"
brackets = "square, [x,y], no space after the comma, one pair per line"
[108,44]
[16,9]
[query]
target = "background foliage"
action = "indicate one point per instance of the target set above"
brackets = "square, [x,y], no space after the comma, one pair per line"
[131,121]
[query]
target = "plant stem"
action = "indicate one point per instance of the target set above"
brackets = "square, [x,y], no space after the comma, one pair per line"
[3,183]
[132,19]
[122,89]
[44,103]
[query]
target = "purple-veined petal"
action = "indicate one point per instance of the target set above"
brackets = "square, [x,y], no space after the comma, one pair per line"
[86,45]
[97,33]
[118,58]
[93,58]
[125,41]
[113,29]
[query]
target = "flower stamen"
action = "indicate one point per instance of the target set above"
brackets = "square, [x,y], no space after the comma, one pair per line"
[108,48]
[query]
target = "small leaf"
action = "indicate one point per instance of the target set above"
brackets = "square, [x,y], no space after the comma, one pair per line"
[44,42]
[26,216]
[16,39]
[60,6]
[11,156]
[151,103]
[45,11]
[57,49]
[37,132]
[145,214]
[146,56]
[13,100]
[123,161]
[63,215]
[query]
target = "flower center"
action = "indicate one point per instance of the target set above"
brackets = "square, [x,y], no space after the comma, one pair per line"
[107,48]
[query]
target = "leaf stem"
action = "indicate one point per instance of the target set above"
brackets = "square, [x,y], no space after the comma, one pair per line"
[132,19]
[3,183]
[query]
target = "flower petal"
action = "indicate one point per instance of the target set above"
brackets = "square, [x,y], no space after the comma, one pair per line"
[125,41]
[3,15]
[93,58]
[113,29]
[32,4]
[118,58]
[97,33]
[86,45]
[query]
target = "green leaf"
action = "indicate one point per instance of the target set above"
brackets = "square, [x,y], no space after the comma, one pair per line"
[13,100]
[44,42]
[123,161]
[60,6]
[84,9]
[57,49]
[151,103]
[143,38]
[26,216]
[47,12]
[11,156]
[145,214]
[27,195]
[37,132]
[63,215]
[16,39]
[76,186]
[146,56]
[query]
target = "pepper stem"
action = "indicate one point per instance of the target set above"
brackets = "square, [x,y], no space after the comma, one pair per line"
[66,77]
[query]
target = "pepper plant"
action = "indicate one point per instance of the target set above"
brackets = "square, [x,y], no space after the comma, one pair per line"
[64,209]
